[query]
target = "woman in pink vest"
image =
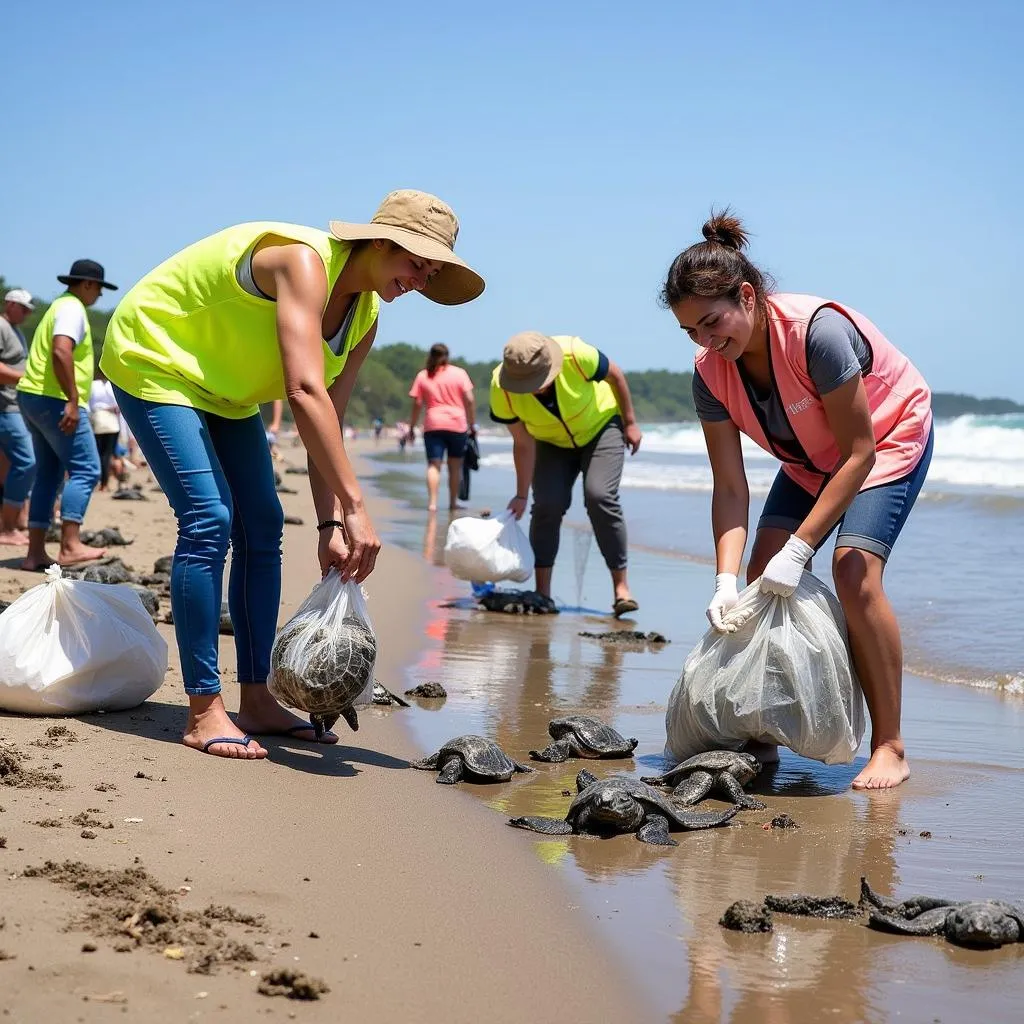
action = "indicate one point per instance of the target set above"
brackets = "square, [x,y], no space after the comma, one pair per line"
[446,393]
[849,417]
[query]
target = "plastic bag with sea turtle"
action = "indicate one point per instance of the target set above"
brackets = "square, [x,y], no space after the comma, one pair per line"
[784,676]
[323,657]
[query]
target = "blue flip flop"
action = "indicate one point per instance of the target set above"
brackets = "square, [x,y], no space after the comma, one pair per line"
[243,742]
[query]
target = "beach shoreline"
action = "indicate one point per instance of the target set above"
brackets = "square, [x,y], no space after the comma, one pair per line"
[408,899]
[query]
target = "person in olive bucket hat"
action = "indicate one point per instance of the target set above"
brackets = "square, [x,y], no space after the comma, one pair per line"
[259,312]
[53,393]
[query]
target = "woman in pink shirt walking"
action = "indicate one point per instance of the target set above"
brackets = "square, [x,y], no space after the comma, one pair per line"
[446,393]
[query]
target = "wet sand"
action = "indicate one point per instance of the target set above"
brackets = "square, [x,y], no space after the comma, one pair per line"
[409,900]
[953,830]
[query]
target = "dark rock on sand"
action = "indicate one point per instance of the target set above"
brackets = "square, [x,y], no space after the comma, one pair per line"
[156,579]
[163,565]
[429,691]
[281,489]
[284,981]
[150,600]
[298,470]
[747,916]
[783,821]
[812,906]
[294,520]
[130,494]
[626,636]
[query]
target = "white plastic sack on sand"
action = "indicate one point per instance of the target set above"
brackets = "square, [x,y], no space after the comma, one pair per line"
[68,647]
[323,657]
[785,676]
[488,550]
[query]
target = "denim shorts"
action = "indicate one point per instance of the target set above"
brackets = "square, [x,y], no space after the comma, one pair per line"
[438,443]
[871,523]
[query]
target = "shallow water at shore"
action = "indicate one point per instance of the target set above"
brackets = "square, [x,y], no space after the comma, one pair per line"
[508,675]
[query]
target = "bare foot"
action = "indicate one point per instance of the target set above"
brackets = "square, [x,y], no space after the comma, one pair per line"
[13,538]
[886,769]
[431,508]
[262,715]
[208,721]
[38,564]
[78,553]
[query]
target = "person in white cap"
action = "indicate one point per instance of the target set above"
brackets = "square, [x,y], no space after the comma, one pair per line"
[15,440]
[254,313]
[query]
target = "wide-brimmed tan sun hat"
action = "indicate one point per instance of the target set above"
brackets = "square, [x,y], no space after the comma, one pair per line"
[530,362]
[427,227]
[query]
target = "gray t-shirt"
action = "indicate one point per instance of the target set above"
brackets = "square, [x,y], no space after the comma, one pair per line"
[835,353]
[12,352]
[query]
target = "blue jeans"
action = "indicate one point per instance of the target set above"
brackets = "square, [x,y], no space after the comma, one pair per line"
[58,453]
[871,523]
[16,444]
[219,478]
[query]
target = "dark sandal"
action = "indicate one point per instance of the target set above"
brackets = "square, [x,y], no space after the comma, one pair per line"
[623,606]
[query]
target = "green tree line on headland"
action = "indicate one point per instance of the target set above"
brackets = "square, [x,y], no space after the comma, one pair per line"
[660,396]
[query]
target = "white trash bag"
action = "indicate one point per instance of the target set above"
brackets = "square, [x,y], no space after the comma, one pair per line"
[323,657]
[68,647]
[488,550]
[785,676]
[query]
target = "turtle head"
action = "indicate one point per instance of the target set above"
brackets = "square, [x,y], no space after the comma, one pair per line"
[616,810]
[982,924]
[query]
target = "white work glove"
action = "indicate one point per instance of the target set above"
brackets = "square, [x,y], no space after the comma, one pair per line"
[723,601]
[782,574]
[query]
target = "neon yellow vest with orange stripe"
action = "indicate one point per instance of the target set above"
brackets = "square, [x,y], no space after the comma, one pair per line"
[189,334]
[584,406]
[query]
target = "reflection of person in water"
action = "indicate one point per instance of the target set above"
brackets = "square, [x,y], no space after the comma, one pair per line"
[773,978]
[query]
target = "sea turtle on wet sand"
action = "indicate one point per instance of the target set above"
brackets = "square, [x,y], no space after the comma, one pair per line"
[583,736]
[984,924]
[620,805]
[722,772]
[472,758]
[518,602]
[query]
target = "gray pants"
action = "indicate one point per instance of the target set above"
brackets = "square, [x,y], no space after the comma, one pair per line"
[555,474]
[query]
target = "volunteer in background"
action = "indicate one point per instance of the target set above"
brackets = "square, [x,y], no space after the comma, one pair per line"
[54,398]
[569,411]
[106,423]
[818,386]
[254,313]
[446,393]
[15,441]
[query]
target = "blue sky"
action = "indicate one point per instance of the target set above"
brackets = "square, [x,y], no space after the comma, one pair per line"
[873,149]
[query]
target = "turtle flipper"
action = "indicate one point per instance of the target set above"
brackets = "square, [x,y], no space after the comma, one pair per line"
[874,899]
[322,724]
[693,788]
[655,831]
[523,767]
[427,764]
[350,716]
[908,909]
[692,820]
[554,752]
[451,772]
[584,779]
[546,826]
[728,787]
[931,922]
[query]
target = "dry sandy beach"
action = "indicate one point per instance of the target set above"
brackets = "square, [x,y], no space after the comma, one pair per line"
[406,898]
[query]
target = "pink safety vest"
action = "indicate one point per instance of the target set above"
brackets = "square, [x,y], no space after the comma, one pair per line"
[899,398]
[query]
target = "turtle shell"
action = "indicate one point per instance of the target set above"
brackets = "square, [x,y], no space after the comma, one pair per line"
[480,755]
[324,673]
[592,733]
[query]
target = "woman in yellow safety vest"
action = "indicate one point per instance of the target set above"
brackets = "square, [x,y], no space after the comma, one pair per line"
[254,313]
[569,411]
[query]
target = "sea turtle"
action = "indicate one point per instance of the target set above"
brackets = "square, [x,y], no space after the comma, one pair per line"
[620,805]
[109,536]
[583,736]
[722,772]
[328,672]
[518,602]
[471,757]
[978,923]
[129,494]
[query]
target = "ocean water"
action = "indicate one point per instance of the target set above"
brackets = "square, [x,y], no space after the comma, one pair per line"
[954,576]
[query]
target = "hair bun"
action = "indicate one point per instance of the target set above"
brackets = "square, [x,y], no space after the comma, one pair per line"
[725,229]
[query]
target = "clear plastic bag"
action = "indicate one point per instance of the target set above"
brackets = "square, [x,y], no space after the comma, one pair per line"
[785,676]
[488,550]
[323,657]
[68,647]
